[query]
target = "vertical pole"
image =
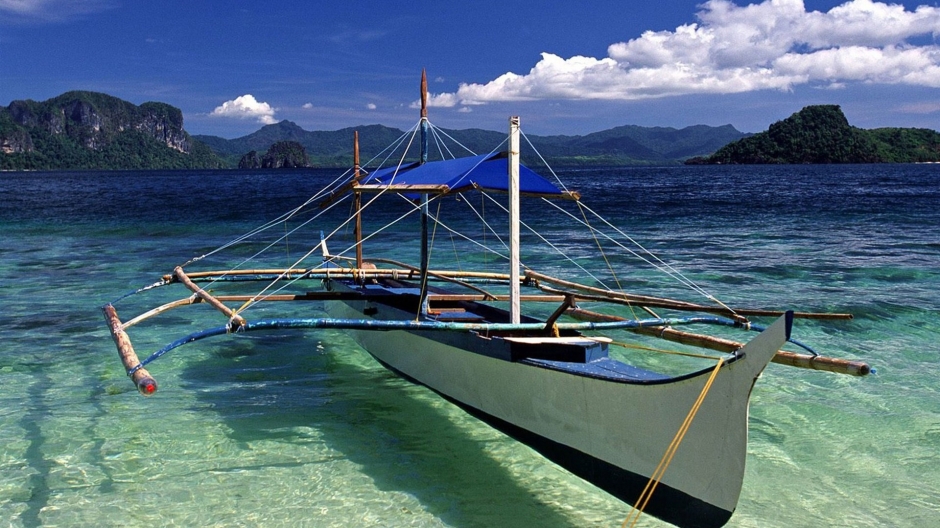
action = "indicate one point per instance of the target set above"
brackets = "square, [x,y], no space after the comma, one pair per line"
[425,251]
[358,201]
[424,116]
[514,307]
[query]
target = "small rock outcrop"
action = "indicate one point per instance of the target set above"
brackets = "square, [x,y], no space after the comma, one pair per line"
[281,155]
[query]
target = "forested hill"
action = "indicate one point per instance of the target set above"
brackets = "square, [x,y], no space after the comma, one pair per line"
[822,134]
[625,145]
[90,130]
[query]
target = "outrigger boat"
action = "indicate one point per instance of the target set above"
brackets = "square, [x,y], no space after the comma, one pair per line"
[673,445]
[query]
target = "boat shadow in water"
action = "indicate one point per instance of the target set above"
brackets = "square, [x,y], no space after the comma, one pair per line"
[322,390]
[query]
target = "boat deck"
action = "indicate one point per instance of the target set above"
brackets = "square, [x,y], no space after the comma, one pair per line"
[575,354]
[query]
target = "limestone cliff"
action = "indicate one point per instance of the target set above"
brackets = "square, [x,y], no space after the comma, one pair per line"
[93,130]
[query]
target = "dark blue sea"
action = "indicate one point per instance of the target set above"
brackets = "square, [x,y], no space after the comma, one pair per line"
[307,430]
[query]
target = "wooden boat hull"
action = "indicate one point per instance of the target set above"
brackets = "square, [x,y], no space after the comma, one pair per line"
[609,430]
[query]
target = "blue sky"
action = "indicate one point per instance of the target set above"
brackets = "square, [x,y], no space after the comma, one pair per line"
[564,67]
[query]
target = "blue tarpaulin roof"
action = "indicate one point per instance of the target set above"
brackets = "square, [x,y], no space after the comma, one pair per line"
[489,172]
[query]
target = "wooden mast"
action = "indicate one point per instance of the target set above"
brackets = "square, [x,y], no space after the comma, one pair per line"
[425,250]
[514,308]
[357,200]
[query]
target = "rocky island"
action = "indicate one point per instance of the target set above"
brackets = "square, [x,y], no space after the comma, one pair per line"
[90,130]
[822,134]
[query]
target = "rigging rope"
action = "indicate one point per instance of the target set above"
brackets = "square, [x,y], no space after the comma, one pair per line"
[543,239]
[663,266]
[336,230]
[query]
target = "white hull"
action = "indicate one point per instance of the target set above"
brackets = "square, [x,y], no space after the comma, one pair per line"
[612,433]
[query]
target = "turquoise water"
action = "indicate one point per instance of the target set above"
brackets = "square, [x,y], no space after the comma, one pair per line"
[307,430]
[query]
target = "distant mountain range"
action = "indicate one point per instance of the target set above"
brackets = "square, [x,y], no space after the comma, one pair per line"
[625,145]
[89,130]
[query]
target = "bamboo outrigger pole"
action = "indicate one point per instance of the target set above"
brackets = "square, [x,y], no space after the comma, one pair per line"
[644,300]
[783,357]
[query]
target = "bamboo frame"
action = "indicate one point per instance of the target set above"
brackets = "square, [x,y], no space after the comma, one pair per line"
[783,357]
[643,300]
[205,296]
[411,271]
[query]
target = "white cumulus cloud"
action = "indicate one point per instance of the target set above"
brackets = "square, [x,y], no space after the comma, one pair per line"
[246,107]
[775,44]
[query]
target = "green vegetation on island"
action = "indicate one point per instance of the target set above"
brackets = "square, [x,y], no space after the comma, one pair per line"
[822,134]
[281,155]
[89,130]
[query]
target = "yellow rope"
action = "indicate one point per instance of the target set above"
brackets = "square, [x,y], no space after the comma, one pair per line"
[670,452]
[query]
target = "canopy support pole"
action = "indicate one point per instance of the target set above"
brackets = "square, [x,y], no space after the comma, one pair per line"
[357,196]
[514,307]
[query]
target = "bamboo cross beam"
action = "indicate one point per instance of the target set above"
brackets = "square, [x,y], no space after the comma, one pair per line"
[643,300]
[194,299]
[783,357]
[141,378]
[408,271]
[205,296]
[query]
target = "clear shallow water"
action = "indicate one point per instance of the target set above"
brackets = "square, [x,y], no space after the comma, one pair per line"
[307,430]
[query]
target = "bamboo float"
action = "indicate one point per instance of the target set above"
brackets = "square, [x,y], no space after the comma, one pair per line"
[141,378]
[670,303]
[783,357]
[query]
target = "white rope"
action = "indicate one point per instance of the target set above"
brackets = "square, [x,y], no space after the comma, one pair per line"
[662,266]
[539,154]
[262,293]
[441,131]
[268,225]
[553,246]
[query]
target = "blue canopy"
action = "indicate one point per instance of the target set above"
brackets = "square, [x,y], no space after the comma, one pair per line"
[487,172]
